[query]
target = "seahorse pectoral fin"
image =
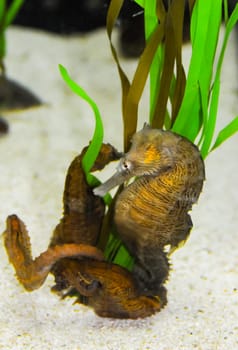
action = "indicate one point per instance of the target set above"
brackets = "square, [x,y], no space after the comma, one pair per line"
[174,248]
[32,273]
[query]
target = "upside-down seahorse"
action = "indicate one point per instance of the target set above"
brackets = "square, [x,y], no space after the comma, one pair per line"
[72,256]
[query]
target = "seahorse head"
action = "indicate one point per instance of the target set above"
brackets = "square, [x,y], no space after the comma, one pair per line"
[152,151]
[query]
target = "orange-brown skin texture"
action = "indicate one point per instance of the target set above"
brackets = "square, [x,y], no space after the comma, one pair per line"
[32,273]
[152,211]
[75,235]
[108,288]
[72,256]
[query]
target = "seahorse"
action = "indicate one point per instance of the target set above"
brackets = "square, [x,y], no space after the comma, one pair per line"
[151,212]
[73,258]
[75,236]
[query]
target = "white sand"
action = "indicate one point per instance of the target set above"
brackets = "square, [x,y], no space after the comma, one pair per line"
[202,311]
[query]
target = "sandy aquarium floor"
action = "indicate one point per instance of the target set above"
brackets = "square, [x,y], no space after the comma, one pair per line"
[202,311]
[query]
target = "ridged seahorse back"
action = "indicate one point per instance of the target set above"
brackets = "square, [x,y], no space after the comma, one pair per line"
[152,211]
[154,207]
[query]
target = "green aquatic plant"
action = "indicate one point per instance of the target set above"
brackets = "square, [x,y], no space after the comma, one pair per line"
[97,138]
[202,90]
[188,104]
[7,15]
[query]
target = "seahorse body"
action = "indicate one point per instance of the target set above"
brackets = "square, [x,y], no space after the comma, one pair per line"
[74,237]
[152,211]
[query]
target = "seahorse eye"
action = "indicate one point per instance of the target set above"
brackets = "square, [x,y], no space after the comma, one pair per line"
[125,166]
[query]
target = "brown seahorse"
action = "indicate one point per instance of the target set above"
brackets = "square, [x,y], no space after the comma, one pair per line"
[72,256]
[75,236]
[152,211]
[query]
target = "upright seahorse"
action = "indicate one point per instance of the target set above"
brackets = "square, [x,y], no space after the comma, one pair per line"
[152,211]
